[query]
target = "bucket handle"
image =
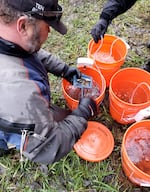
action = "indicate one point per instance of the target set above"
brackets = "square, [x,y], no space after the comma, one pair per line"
[100,46]
[143,113]
[133,94]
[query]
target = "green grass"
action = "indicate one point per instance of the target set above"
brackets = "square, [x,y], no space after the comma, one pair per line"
[73,174]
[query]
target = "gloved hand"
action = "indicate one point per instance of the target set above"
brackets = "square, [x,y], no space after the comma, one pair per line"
[70,72]
[99,29]
[86,108]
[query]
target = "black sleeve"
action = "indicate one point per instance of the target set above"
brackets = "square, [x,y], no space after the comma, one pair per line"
[52,63]
[113,8]
[57,142]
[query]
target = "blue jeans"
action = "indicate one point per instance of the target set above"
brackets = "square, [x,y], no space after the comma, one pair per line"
[11,138]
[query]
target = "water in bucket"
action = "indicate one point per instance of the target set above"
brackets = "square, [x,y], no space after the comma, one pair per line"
[104,57]
[76,92]
[97,91]
[138,148]
[108,54]
[135,153]
[132,92]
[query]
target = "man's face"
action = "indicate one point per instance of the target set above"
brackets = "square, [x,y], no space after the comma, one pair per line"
[37,36]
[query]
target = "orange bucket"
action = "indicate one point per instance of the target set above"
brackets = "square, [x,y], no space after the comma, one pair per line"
[135,153]
[109,55]
[129,92]
[96,76]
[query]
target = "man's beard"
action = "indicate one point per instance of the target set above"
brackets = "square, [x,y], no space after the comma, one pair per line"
[33,43]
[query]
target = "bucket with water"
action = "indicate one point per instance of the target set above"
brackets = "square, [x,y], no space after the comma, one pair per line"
[135,153]
[129,93]
[108,54]
[72,94]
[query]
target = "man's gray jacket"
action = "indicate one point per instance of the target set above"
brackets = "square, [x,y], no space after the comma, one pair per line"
[25,104]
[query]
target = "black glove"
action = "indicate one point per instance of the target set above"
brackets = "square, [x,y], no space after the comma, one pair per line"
[99,29]
[86,108]
[70,72]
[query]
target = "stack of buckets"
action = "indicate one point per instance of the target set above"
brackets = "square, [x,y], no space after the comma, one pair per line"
[129,93]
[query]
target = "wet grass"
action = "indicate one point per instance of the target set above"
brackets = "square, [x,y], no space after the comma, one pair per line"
[72,174]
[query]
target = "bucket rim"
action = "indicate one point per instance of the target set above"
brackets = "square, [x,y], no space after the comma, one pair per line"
[132,68]
[114,95]
[123,148]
